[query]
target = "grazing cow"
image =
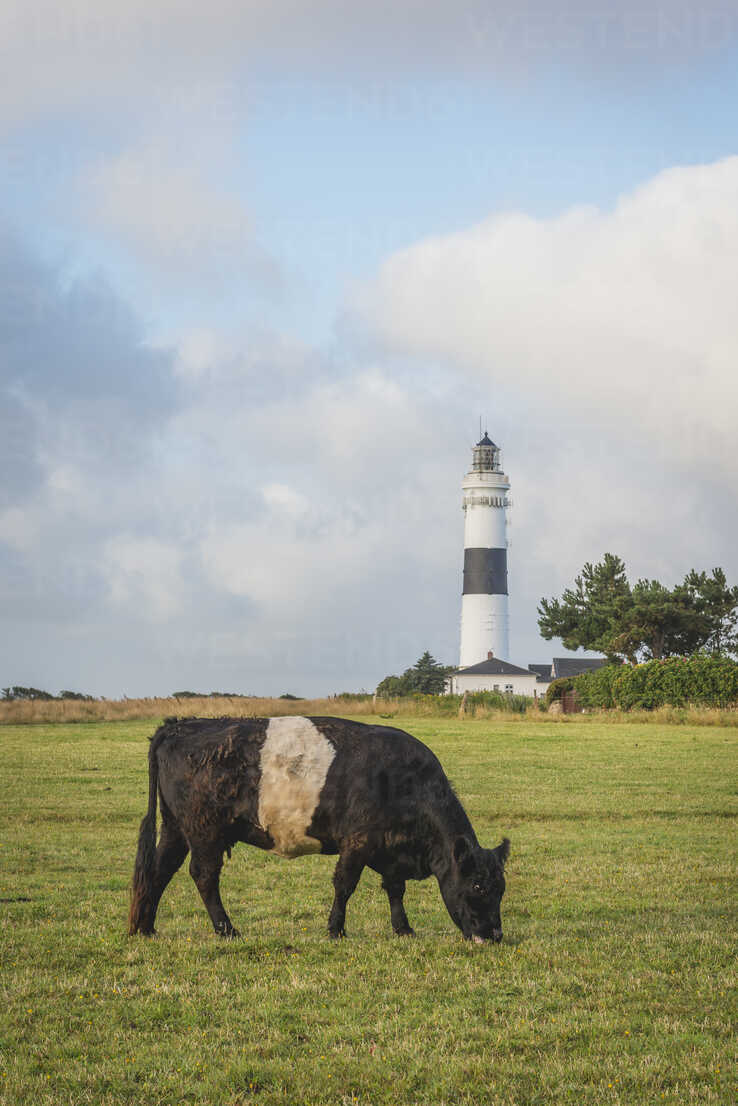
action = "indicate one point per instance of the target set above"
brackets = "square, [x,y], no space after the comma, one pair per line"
[373,795]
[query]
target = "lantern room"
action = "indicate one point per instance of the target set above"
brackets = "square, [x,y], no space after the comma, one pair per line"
[486,456]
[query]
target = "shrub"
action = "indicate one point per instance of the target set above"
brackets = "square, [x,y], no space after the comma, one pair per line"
[495,700]
[557,688]
[699,680]
[594,689]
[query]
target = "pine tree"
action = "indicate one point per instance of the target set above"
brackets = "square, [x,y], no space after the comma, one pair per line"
[646,621]
[426,677]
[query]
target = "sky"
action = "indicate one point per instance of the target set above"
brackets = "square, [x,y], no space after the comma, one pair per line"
[263,268]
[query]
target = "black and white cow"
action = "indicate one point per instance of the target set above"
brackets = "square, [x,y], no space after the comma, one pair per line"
[374,795]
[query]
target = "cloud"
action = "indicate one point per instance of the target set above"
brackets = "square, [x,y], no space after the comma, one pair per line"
[175,216]
[605,343]
[144,573]
[225,515]
[623,316]
[75,374]
[57,56]
[285,501]
[250,513]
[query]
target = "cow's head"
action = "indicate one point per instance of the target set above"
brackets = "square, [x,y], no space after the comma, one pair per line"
[474,888]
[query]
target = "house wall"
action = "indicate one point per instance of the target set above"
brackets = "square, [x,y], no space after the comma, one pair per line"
[520,685]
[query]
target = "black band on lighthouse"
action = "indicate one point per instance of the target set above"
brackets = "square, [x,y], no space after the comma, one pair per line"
[485,572]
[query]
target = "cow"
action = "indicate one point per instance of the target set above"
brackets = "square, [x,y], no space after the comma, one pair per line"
[373,795]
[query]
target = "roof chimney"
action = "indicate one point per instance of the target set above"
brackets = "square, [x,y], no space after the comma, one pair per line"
[490,655]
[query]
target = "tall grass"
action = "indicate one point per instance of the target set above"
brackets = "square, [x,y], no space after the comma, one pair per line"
[206,706]
[516,709]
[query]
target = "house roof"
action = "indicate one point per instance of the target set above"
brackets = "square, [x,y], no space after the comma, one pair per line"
[574,666]
[493,667]
[542,671]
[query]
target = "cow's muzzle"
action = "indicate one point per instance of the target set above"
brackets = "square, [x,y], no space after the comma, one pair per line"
[495,935]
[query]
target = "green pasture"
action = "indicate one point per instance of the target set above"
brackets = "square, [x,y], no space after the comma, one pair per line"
[615,982]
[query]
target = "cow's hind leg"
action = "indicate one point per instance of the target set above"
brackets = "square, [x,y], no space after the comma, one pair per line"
[395,889]
[345,878]
[205,867]
[170,854]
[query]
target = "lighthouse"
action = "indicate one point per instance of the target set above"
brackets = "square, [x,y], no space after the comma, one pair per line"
[484,617]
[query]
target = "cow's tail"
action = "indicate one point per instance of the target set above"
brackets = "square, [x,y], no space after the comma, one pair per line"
[143,908]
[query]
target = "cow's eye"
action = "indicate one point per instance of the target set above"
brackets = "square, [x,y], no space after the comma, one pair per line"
[477,887]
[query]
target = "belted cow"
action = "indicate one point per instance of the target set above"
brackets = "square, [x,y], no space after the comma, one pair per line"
[373,795]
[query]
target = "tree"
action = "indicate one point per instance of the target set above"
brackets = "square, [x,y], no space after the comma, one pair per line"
[426,677]
[391,687]
[32,693]
[646,621]
[716,609]
[585,615]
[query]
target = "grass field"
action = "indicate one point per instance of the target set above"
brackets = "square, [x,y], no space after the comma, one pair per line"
[616,981]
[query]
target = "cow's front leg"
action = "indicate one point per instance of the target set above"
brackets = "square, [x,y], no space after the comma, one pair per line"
[395,889]
[346,876]
[205,867]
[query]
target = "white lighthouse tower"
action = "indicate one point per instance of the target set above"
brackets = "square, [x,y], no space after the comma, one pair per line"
[484,617]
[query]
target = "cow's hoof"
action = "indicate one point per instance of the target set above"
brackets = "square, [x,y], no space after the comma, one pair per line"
[335,935]
[229,934]
[409,932]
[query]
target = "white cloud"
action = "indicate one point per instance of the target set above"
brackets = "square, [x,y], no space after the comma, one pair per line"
[603,345]
[274,517]
[284,500]
[357,457]
[174,215]
[90,53]
[198,350]
[624,317]
[19,528]
[167,210]
[144,576]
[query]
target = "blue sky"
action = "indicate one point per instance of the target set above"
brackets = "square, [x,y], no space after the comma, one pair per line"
[265,269]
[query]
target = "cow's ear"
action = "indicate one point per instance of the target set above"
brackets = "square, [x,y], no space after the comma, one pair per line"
[503,850]
[463,855]
[462,848]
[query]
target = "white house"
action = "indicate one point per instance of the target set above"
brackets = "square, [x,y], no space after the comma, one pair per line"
[498,675]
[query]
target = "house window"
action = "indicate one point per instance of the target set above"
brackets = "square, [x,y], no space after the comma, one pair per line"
[495,687]
[508,689]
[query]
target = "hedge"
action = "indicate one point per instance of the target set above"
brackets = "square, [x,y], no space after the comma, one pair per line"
[699,680]
[678,681]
